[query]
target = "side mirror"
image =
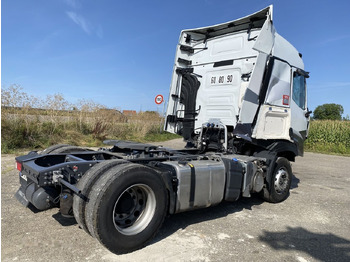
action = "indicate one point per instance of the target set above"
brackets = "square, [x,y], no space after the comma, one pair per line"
[308,113]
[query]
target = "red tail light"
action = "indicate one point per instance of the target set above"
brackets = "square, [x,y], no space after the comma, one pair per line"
[19,166]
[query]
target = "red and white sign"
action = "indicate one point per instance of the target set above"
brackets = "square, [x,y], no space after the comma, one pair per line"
[285,100]
[159,99]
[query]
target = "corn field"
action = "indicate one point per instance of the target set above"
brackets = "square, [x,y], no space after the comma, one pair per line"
[329,136]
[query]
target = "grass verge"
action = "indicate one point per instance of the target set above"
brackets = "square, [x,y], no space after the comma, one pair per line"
[22,131]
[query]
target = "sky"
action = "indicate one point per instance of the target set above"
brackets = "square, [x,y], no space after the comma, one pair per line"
[121,53]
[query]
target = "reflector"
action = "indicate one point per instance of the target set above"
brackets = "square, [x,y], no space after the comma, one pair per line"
[18,166]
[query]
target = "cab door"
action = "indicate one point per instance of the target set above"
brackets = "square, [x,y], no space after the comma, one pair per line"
[300,115]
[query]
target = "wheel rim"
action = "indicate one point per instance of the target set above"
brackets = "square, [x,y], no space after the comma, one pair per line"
[281,181]
[134,209]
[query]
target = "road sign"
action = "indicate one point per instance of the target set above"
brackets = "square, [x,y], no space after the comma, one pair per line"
[159,99]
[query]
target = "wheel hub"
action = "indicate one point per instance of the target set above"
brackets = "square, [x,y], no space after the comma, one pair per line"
[134,209]
[125,204]
[281,181]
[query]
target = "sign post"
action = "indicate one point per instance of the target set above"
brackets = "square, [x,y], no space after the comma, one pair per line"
[159,99]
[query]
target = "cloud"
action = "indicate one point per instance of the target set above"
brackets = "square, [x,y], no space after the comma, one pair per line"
[80,21]
[334,39]
[85,25]
[73,3]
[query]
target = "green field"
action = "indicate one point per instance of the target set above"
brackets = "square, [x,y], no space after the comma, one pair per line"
[329,137]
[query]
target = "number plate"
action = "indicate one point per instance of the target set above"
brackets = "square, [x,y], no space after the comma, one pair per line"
[222,79]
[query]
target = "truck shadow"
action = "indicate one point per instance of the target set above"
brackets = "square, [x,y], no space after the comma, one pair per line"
[323,247]
[185,219]
[182,220]
[295,181]
[64,221]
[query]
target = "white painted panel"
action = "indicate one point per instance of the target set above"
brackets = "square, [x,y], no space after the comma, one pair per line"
[266,38]
[218,94]
[215,112]
[273,123]
[227,45]
[221,100]
[234,46]
[284,50]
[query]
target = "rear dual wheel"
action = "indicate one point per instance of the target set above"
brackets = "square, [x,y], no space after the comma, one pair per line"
[52,148]
[85,184]
[126,207]
[62,148]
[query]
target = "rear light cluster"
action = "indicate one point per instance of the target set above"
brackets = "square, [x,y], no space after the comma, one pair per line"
[19,166]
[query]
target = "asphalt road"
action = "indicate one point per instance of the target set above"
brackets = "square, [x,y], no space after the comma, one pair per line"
[313,224]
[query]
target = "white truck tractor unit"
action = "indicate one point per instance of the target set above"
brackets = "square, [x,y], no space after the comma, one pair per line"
[238,98]
[238,87]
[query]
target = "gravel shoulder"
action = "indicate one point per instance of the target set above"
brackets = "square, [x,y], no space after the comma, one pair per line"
[311,225]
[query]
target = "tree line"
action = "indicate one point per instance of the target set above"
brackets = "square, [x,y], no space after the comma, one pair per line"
[329,112]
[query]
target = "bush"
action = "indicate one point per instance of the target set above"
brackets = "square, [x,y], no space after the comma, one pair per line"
[328,112]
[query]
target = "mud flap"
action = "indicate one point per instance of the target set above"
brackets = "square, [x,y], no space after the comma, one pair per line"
[41,198]
[21,197]
[66,203]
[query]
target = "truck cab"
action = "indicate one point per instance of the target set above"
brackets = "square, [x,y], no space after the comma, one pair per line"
[239,87]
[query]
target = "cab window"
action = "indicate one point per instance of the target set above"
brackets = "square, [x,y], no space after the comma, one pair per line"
[299,92]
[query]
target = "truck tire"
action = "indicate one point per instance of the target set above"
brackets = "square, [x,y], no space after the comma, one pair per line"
[280,182]
[85,184]
[126,207]
[68,149]
[52,148]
